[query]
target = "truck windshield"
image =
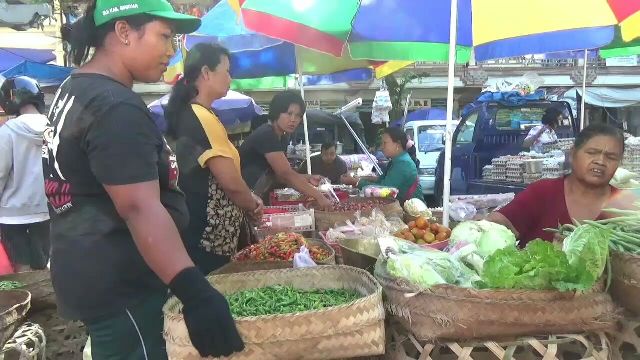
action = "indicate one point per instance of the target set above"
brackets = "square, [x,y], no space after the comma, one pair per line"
[430,138]
[522,118]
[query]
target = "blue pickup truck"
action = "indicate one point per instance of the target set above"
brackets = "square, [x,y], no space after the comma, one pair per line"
[491,127]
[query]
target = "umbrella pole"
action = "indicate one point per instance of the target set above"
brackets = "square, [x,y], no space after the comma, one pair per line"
[446,190]
[584,90]
[304,119]
[406,110]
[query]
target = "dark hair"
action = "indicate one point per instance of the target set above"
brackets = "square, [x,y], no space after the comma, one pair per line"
[184,90]
[85,35]
[397,136]
[598,129]
[281,102]
[550,116]
[327,145]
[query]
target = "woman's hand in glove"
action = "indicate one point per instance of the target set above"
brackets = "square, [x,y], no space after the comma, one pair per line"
[206,313]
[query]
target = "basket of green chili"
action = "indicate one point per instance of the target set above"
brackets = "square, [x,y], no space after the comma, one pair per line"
[323,312]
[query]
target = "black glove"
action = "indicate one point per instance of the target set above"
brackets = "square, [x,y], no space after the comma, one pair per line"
[206,312]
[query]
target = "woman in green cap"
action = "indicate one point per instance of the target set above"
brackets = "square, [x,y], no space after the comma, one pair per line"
[112,180]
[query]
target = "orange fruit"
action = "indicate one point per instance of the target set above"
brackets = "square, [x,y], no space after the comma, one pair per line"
[435,228]
[444,229]
[422,223]
[429,237]
[441,237]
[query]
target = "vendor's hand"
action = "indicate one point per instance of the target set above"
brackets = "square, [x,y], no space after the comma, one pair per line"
[315,180]
[256,214]
[324,204]
[349,180]
[206,314]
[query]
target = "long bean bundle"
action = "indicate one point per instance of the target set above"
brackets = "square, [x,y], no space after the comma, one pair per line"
[286,300]
[625,229]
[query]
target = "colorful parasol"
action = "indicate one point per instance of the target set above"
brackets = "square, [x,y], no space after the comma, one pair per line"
[419,30]
[256,56]
[627,13]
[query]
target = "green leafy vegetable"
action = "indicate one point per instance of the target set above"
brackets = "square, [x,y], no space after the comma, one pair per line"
[485,235]
[428,267]
[539,266]
[587,250]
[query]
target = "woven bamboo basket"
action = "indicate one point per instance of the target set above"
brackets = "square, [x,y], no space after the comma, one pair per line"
[350,330]
[28,343]
[14,305]
[38,283]
[625,341]
[235,267]
[65,339]
[447,312]
[625,280]
[326,220]
[403,345]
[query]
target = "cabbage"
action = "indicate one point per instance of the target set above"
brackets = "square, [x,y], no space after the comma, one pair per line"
[587,249]
[428,267]
[485,235]
[415,269]
[416,207]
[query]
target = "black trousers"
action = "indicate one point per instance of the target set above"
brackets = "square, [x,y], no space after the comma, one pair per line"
[27,244]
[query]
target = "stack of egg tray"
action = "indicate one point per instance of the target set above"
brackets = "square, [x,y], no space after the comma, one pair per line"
[631,160]
[552,170]
[515,170]
[499,172]
[487,172]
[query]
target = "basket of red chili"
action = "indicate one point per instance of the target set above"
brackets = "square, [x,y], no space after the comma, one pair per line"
[323,312]
[282,247]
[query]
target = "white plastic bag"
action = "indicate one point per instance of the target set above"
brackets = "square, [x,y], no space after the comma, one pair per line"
[303,259]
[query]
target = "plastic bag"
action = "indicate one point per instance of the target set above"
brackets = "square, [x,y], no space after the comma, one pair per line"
[462,211]
[421,266]
[5,264]
[303,259]
[378,191]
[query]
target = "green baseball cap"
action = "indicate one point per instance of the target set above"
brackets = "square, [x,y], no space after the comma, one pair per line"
[108,10]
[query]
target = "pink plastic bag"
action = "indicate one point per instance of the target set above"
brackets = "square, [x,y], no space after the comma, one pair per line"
[5,263]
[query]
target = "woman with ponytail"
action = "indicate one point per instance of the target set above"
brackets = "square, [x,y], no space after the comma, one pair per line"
[219,201]
[112,181]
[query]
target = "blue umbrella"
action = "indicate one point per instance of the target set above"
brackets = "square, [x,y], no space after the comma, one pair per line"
[422,114]
[10,57]
[45,74]
[235,111]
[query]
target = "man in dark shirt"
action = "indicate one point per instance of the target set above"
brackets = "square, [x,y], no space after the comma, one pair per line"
[327,164]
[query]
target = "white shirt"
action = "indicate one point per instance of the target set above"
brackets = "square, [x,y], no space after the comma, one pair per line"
[548,136]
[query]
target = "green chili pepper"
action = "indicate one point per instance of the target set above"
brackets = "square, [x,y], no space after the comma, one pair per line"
[285,300]
[10,285]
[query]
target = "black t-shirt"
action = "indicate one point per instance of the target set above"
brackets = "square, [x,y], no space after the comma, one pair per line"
[252,152]
[102,133]
[331,171]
